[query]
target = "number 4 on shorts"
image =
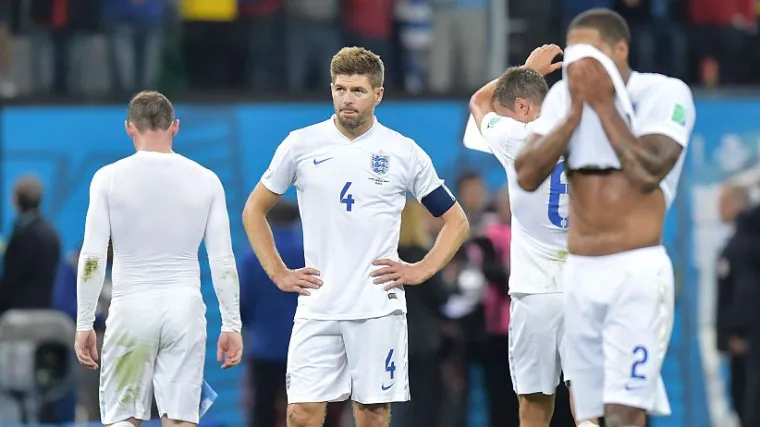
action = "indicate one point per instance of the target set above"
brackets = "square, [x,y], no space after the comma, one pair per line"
[390,367]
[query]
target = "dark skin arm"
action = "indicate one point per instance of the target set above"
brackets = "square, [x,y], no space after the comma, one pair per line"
[646,160]
[482,102]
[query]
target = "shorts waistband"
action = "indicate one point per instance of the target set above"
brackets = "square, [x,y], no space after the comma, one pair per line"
[639,253]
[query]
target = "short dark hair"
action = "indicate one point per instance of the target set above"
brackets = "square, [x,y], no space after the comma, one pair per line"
[28,193]
[611,26]
[520,82]
[467,176]
[150,110]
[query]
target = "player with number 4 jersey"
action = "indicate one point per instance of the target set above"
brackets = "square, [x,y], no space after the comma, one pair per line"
[505,110]
[351,174]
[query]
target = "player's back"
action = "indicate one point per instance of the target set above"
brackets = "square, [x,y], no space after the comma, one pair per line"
[539,218]
[158,208]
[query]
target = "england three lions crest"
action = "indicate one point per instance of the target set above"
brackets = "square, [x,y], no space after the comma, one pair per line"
[380,163]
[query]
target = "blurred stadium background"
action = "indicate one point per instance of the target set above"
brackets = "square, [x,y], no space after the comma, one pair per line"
[242,74]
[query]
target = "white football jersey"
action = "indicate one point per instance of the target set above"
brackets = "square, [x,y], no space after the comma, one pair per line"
[662,105]
[350,196]
[539,218]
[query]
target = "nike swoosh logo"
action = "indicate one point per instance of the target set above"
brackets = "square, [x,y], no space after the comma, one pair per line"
[316,162]
[630,388]
[382,386]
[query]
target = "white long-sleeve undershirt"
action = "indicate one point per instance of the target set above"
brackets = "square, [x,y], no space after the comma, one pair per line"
[156,208]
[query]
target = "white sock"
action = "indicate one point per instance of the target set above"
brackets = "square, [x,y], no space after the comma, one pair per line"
[123,424]
[583,424]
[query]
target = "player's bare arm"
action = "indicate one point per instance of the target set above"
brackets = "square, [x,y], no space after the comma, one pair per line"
[224,276]
[645,160]
[454,232]
[482,102]
[536,161]
[260,201]
[91,271]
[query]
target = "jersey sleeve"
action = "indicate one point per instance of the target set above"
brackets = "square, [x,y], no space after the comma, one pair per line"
[553,109]
[91,270]
[281,173]
[670,112]
[426,186]
[505,136]
[221,258]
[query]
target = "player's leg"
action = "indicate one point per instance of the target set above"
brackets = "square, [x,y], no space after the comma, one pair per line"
[317,371]
[132,422]
[581,345]
[378,362]
[534,327]
[637,331]
[178,379]
[129,352]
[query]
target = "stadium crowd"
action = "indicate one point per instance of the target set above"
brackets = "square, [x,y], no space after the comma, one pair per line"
[101,47]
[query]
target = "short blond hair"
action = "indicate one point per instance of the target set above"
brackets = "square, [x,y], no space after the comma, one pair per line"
[354,60]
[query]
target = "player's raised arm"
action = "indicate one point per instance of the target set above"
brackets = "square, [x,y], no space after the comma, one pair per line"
[551,134]
[280,175]
[221,258]
[430,190]
[482,102]
[91,270]
[666,120]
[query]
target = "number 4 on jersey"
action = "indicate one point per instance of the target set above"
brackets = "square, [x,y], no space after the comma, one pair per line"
[557,189]
[346,199]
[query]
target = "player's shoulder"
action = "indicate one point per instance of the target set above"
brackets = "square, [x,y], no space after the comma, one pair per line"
[296,138]
[395,141]
[647,85]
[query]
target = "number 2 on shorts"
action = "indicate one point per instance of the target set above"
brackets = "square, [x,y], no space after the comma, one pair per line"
[641,355]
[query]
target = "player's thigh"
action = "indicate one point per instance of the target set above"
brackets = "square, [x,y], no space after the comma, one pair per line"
[636,337]
[181,357]
[581,341]
[378,359]
[535,328]
[128,358]
[317,368]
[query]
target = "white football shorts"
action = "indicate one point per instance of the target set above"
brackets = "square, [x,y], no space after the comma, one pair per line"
[333,360]
[536,340]
[618,321]
[155,343]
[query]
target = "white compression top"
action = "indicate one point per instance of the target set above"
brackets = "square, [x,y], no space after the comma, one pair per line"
[156,208]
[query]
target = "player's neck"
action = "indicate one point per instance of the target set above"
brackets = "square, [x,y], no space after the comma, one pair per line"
[358,131]
[625,73]
[154,146]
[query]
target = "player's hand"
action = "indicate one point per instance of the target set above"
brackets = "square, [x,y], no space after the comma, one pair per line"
[300,280]
[229,348]
[541,59]
[398,273]
[589,81]
[86,348]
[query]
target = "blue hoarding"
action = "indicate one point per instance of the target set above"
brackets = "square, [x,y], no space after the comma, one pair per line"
[64,146]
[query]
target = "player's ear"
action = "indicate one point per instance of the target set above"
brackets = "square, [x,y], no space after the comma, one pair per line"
[522,107]
[175,127]
[131,131]
[379,94]
[621,50]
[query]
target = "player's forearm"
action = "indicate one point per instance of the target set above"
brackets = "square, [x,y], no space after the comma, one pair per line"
[91,272]
[537,160]
[642,163]
[227,288]
[454,232]
[262,241]
[481,103]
